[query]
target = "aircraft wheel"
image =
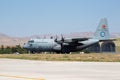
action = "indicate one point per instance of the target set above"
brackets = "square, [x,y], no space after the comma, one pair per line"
[58,52]
[65,50]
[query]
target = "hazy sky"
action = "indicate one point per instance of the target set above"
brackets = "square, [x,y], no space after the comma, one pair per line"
[33,17]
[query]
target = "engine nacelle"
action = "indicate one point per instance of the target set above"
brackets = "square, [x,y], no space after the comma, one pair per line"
[57,48]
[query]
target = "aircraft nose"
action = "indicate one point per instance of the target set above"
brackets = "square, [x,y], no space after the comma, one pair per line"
[25,46]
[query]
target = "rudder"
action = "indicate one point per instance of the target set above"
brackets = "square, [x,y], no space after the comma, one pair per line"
[102,32]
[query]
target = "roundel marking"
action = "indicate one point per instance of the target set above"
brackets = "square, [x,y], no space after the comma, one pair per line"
[103,26]
[102,34]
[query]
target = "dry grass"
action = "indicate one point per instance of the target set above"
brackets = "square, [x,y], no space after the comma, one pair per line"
[96,57]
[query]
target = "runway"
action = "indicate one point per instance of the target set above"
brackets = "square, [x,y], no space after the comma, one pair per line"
[15,69]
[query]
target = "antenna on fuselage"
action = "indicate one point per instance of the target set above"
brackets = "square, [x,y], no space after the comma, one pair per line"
[51,37]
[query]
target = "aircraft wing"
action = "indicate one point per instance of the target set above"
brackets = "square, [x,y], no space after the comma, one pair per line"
[79,39]
[108,40]
[73,41]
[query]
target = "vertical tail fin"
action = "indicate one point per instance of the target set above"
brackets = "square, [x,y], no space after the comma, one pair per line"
[102,32]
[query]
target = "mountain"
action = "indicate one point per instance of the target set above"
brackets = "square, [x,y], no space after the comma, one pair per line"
[13,41]
[3,35]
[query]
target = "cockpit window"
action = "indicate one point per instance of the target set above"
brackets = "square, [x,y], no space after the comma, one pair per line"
[31,41]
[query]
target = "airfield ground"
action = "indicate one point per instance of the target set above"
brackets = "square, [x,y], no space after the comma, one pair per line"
[92,66]
[16,69]
[94,57]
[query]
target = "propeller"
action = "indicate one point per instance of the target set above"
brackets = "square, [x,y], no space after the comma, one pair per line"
[61,42]
[62,38]
[56,38]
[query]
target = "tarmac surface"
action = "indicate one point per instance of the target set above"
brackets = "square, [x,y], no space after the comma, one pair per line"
[16,69]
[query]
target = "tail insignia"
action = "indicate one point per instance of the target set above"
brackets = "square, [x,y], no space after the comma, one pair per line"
[104,26]
[102,34]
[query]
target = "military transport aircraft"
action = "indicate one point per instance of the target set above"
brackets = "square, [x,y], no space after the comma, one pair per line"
[67,45]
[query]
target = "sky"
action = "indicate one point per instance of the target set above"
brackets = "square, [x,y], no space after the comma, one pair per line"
[22,18]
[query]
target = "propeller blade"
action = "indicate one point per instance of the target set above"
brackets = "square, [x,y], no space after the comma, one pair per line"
[56,38]
[62,38]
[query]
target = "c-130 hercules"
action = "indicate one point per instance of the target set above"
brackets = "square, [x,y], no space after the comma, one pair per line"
[67,45]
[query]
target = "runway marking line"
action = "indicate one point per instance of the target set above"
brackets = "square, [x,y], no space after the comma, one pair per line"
[23,77]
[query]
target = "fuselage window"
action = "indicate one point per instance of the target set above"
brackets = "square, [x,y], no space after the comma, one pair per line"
[31,41]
